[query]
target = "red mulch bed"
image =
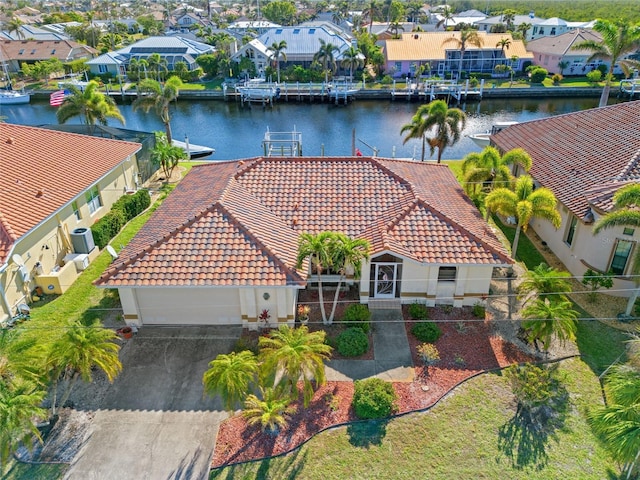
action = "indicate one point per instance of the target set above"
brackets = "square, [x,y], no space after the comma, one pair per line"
[475,343]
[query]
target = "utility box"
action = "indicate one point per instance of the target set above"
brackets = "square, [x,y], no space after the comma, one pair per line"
[81,260]
[82,240]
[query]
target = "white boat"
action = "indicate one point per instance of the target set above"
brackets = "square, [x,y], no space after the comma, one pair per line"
[483,139]
[13,97]
[195,151]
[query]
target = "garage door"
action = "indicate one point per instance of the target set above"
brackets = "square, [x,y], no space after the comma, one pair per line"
[189,306]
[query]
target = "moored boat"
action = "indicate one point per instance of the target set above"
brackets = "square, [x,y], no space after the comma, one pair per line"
[195,151]
[483,139]
[13,97]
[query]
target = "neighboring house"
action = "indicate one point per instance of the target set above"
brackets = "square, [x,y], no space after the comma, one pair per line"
[548,52]
[17,52]
[584,158]
[172,49]
[245,26]
[486,24]
[223,246]
[53,183]
[404,55]
[30,32]
[556,26]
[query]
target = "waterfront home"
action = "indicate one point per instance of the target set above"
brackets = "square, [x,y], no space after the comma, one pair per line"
[222,247]
[17,52]
[171,49]
[403,56]
[55,186]
[584,158]
[32,32]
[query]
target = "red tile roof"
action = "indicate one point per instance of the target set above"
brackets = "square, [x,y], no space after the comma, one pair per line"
[238,223]
[43,170]
[577,152]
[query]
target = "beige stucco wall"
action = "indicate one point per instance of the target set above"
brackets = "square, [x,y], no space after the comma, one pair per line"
[45,243]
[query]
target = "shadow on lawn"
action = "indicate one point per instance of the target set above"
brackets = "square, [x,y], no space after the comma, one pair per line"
[524,438]
[285,467]
[367,434]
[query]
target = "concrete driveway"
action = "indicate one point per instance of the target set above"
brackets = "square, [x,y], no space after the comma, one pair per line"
[155,422]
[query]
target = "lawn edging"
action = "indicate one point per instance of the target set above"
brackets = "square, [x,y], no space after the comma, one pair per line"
[392,417]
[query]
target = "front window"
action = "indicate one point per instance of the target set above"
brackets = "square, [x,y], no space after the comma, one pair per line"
[76,210]
[447,274]
[102,68]
[93,199]
[621,255]
[571,231]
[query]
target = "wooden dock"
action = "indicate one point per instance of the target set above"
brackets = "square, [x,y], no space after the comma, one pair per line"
[266,93]
[430,90]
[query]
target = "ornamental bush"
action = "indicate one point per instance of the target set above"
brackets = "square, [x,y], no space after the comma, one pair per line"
[107,227]
[418,311]
[358,314]
[132,205]
[373,398]
[428,353]
[353,342]
[426,332]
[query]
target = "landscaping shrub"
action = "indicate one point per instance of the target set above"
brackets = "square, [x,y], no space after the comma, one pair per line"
[426,332]
[594,76]
[132,205]
[359,314]
[428,353]
[557,78]
[107,227]
[386,80]
[418,311]
[478,310]
[353,342]
[373,398]
[538,74]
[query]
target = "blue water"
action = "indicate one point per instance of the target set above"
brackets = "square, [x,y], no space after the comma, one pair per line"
[236,131]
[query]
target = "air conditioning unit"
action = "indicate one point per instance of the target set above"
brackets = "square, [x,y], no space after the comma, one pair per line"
[82,240]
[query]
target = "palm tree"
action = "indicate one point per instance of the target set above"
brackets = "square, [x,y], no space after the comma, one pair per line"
[467,36]
[77,352]
[618,422]
[490,169]
[231,376]
[372,12]
[523,203]
[447,16]
[157,66]
[167,155]
[548,319]
[618,40]
[348,253]
[625,214]
[508,16]
[278,49]
[395,27]
[523,28]
[503,43]
[448,124]
[91,104]
[154,95]
[270,411]
[326,57]
[562,64]
[17,358]
[546,283]
[318,249]
[15,25]
[293,353]
[352,58]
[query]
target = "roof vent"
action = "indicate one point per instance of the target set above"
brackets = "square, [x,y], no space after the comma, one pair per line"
[10,140]
[40,193]
[588,217]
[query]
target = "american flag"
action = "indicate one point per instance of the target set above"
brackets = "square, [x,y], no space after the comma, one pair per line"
[56,98]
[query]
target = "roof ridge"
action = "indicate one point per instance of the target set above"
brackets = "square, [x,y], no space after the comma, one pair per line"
[630,165]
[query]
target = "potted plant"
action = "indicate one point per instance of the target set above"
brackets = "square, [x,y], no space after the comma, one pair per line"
[125,332]
[263,319]
[303,313]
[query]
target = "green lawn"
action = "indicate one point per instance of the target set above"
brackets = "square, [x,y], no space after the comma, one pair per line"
[23,471]
[527,252]
[473,434]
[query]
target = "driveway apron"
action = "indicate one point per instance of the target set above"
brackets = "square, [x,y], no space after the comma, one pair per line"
[155,422]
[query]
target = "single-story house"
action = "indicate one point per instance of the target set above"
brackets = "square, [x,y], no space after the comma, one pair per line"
[172,49]
[404,55]
[584,158]
[222,247]
[55,186]
[17,52]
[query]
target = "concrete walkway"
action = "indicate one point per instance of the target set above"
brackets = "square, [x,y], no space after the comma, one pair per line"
[392,357]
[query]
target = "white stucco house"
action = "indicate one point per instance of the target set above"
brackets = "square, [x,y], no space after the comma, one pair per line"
[222,247]
[584,158]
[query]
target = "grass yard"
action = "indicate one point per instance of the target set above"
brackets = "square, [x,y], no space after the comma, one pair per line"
[23,471]
[472,434]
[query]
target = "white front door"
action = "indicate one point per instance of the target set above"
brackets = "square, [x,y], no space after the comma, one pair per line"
[385,280]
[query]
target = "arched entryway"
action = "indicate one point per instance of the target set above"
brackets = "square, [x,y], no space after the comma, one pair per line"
[385,276]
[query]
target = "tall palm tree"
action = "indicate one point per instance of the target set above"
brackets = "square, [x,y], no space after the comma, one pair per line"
[278,49]
[15,25]
[91,104]
[448,124]
[447,16]
[618,40]
[270,411]
[466,36]
[546,283]
[618,422]
[626,202]
[490,169]
[157,66]
[503,43]
[372,12]
[231,376]
[77,352]
[348,254]
[17,357]
[395,27]
[325,56]
[293,353]
[352,58]
[523,28]
[318,249]
[508,16]
[154,95]
[562,64]
[550,318]
[524,204]
[167,155]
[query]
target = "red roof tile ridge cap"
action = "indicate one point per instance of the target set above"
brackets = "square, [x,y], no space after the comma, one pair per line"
[632,164]
[391,173]
[409,206]
[250,163]
[8,229]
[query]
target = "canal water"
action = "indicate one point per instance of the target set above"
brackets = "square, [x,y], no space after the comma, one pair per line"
[236,131]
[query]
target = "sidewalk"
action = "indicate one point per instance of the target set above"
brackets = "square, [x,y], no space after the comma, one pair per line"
[392,357]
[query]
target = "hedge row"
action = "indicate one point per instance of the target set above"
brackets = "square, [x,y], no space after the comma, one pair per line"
[126,208]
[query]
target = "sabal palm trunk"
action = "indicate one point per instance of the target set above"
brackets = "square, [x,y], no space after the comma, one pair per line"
[335,300]
[604,98]
[424,146]
[321,298]
[516,238]
[54,397]
[67,392]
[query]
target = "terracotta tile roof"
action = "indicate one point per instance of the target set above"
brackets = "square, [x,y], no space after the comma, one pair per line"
[576,152]
[42,170]
[38,50]
[244,219]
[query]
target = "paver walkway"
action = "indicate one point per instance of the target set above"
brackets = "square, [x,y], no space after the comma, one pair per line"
[392,357]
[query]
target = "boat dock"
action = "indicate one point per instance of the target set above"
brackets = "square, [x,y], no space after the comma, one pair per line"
[282,144]
[266,93]
[630,87]
[430,90]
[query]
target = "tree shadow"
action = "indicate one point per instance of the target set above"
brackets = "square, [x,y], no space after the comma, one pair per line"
[367,434]
[524,438]
[285,467]
[103,309]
